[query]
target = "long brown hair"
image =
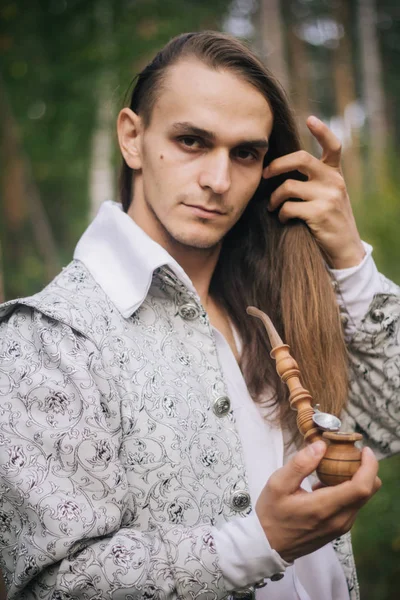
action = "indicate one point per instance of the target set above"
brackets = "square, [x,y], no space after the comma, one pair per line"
[280,269]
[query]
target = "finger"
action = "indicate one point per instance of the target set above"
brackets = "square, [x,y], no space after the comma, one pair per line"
[287,480]
[301,161]
[330,144]
[367,475]
[318,486]
[357,491]
[304,190]
[297,210]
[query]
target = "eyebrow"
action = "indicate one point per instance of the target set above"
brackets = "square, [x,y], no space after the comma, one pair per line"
[187,128]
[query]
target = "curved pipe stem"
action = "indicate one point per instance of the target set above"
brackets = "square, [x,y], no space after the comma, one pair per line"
[273,335]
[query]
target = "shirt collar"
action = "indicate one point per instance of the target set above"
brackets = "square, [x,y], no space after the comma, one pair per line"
[122,258]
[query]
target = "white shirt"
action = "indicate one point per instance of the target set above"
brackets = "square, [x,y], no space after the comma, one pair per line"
[122,259]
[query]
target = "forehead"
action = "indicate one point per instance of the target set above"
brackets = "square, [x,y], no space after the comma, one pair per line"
[217,100]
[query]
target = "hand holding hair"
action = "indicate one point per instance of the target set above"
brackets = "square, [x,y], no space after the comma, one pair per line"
[326,206]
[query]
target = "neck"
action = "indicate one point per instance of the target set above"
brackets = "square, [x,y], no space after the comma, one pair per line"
[198,263]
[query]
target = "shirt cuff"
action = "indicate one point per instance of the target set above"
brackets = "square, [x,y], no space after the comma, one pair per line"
[355,289]
[245,555]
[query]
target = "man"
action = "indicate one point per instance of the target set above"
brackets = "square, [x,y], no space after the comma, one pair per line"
[138,459]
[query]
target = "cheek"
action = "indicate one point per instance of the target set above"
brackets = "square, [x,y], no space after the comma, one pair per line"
[161,183]
[156,171]
[247,187]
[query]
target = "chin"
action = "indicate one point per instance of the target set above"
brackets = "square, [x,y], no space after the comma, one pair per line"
[195,235]
[202,242]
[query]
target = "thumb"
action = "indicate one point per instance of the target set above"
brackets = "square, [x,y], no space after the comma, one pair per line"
[301,465]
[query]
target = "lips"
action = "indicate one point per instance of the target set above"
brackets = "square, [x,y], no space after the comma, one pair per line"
[211,211]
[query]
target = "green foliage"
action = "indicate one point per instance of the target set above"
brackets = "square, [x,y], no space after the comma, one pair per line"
[376,534]
[376,538]
[52,56]
[378,218]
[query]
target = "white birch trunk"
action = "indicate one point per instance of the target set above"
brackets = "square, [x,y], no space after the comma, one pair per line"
[374,98]
[272,40]
[101,176]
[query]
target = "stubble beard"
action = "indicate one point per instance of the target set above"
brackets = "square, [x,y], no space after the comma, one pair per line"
[190,242]
[186,241]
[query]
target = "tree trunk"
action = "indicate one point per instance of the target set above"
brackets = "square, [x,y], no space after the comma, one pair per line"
[271,40]
[346,98]
[21,197]
[374,97]
[300,85]
[101,177]
[2,299]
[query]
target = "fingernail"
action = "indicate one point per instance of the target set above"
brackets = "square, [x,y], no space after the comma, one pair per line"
[317,448]
[313,120]
[367,450]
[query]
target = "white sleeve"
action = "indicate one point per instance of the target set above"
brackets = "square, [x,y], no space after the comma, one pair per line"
[355,289]
[245,556]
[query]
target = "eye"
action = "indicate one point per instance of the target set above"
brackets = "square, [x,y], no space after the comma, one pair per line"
[246,154]
[190,141]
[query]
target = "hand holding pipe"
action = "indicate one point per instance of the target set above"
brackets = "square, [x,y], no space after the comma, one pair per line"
[342,458]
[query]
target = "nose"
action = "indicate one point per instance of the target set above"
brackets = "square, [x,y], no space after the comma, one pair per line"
[215,173]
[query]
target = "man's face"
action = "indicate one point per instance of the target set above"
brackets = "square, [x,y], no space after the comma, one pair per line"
[201,157]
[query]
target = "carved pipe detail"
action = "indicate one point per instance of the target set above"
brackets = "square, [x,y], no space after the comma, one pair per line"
[342,457]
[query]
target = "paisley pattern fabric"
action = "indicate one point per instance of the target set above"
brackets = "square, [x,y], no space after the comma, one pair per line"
[114,468]
[113,463]
[374,407]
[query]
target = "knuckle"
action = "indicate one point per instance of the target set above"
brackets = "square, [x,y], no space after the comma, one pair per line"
[340,183]
[342,524]
[284,213]
[320,212]
[273,484]
[364,492]
[324,513]
[318,515]
[288,186]
[304,157]
[333,202]
[299,464]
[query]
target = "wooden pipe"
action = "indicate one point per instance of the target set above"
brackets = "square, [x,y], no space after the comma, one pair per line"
[342,458]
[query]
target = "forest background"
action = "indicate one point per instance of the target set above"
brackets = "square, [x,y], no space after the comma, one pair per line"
[65,67]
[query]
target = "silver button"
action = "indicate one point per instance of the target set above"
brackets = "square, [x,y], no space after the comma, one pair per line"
[335,284]
[189,311]
[240,500]
[377,316]
[344,318]
[221,406]
[277,576]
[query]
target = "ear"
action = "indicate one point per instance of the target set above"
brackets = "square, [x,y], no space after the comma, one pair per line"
[129,129]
